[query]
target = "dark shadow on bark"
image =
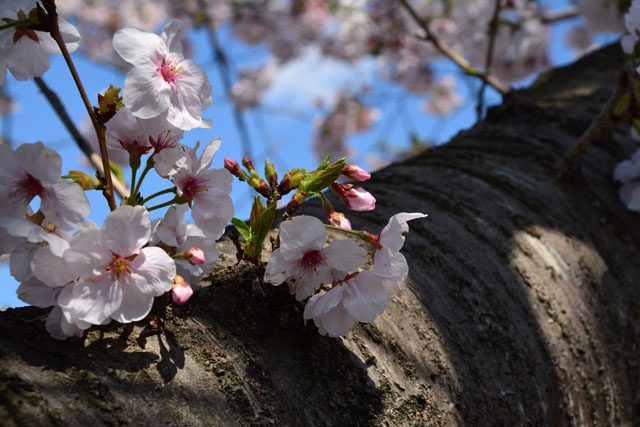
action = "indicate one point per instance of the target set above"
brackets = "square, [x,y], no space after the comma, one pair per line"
[541,349]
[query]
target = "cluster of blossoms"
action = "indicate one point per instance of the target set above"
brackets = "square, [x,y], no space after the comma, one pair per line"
[348,116]
[93,274]
[339,291]
[345,293]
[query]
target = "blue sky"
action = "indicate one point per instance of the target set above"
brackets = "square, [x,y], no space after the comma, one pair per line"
[281,131]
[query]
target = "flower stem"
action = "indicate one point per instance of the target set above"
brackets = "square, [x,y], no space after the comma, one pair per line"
[133,180]
[14,24]
[359,234]
[159,193]
[162,205]
[50,6]
[147,167]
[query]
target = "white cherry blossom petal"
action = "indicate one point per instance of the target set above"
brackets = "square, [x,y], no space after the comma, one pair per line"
[153,271]
[135,305]
[37,294]
[344,255]
[126,230]
[65,204]
[50,269]
[365,296]
[138,46]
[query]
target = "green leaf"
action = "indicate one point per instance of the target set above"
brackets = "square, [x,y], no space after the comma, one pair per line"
[242,228]
[265,223]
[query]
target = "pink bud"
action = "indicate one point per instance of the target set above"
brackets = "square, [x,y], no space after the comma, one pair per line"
[340,220]
[355,173]
[181,291]
[355,197]
[195,255]
[233,167]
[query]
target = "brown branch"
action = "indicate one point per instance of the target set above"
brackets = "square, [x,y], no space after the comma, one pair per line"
[596,128]
[560,15]
[492,33]
[466,67]
[50,6]
[80,140]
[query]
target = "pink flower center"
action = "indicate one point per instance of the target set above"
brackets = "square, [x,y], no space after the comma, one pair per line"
[164,140]
[312,260]
[119,266]
[26,189]
[170,71]
[192,186]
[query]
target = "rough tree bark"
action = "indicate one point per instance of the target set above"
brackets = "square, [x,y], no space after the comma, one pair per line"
[521,308]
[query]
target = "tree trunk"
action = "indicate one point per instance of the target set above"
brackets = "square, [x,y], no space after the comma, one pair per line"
[522,305]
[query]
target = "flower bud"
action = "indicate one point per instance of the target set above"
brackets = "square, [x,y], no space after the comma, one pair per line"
[181,291]
[195,255]
[355,197]
[355,173]
[247,163]
[291,180]
[260,186]
[85,181]
[233,167]
[296,201]
[340,220]
[270,173]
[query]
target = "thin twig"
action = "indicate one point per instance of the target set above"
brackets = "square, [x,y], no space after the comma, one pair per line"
[50,6]
[466,67]
[492,33]
[596,128]
[560,15]
[80,140]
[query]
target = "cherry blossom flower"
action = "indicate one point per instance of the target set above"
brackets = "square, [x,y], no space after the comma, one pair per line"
[628,173]
[388,262]
[24,50]
[632,22]
[601,15]
[117,277]
[360,297]
[50,276]
[444,97]
[355,197]
[246,93]
[162,80]
[34,170]
[177,237]
[138,136]
[303,257]
[205,190]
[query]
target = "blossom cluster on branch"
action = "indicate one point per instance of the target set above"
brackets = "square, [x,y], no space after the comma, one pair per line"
[92,274]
